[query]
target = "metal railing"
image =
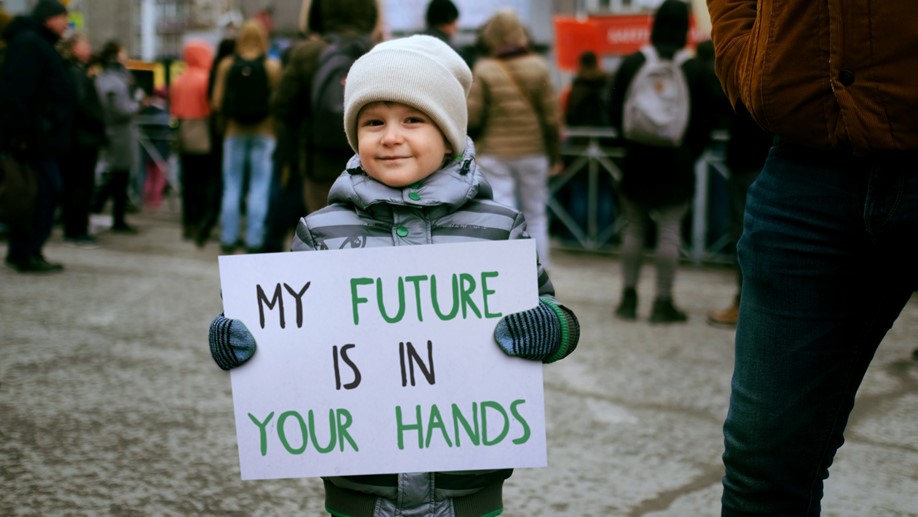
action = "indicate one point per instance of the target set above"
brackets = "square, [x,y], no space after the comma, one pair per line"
[588,156]
[591,159]
[154,136]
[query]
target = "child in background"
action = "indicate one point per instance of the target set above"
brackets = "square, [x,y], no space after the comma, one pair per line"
[414,181]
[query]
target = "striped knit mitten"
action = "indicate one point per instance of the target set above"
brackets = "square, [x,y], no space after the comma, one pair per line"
[547,332]
[231,343]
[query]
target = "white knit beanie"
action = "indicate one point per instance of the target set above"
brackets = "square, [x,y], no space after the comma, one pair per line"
[420,71]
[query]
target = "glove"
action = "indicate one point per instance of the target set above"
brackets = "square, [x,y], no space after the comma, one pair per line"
[547,332]
[231,343]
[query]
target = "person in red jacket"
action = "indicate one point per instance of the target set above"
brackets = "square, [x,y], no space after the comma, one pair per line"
[190,107]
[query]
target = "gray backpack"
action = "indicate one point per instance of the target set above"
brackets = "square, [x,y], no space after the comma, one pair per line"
[656,109]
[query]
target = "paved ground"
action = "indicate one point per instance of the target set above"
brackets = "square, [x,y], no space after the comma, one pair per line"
[110,404]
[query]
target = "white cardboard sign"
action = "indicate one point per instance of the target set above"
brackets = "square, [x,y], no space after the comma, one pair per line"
[383,360]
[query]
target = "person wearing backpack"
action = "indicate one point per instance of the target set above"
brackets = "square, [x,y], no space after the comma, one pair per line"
[351,25]
[515,114]
[658,179]
[242,93]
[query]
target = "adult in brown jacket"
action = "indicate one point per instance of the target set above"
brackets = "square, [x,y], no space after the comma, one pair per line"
[828,249]
[322,20]
[515,118]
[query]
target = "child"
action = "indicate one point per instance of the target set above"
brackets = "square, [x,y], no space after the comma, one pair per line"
[414,181]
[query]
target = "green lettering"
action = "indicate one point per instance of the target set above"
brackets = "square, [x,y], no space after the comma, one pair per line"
[355,299]
[400,427]
[436,421]
[519,418]
[459,418]
[484,422]
[344,421]
[468,287]
[401,301]
[331,431]
[485,292]
[436,301]
[263,431]
[282,432]
[416,280]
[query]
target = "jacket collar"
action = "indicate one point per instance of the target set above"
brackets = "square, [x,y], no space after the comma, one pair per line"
[450,187]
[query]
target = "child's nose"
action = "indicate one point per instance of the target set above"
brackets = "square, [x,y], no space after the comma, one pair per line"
[392,133]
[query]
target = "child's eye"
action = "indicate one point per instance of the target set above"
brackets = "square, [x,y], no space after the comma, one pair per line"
[415,120]
[372,122]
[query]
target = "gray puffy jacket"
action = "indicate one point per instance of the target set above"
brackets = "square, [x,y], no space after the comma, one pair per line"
[452,205]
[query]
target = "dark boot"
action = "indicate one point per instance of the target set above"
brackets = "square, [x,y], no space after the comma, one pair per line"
[33,264]
[627,307]
[665,312]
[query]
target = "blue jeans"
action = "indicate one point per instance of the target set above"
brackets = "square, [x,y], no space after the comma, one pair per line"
[829,260]
[239,152]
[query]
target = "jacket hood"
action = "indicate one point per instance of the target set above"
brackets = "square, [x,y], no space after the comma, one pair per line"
[670,27]
[327,16]
[504,31]
[450,187]
[198,54]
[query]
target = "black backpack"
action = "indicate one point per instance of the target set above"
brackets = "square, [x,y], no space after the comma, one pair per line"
[326,102]
[247,95]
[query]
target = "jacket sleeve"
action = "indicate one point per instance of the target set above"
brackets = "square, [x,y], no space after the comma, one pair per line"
[290,101]
[732,23]
[550,112]
[477,102]
[216,99]
[570,335]
[119,102]
[302,237]
[274,70]
[18,92]
[702,110]
[518,231]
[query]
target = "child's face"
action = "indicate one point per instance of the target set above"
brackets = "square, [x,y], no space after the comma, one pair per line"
[398,145]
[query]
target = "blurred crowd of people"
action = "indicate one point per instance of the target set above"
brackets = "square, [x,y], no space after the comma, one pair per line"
[65,108]
[240,127]
[252,175]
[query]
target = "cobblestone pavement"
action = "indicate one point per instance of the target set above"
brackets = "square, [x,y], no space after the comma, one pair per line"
[111,405]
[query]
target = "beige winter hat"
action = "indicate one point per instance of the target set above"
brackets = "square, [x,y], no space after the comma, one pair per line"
[420,71]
